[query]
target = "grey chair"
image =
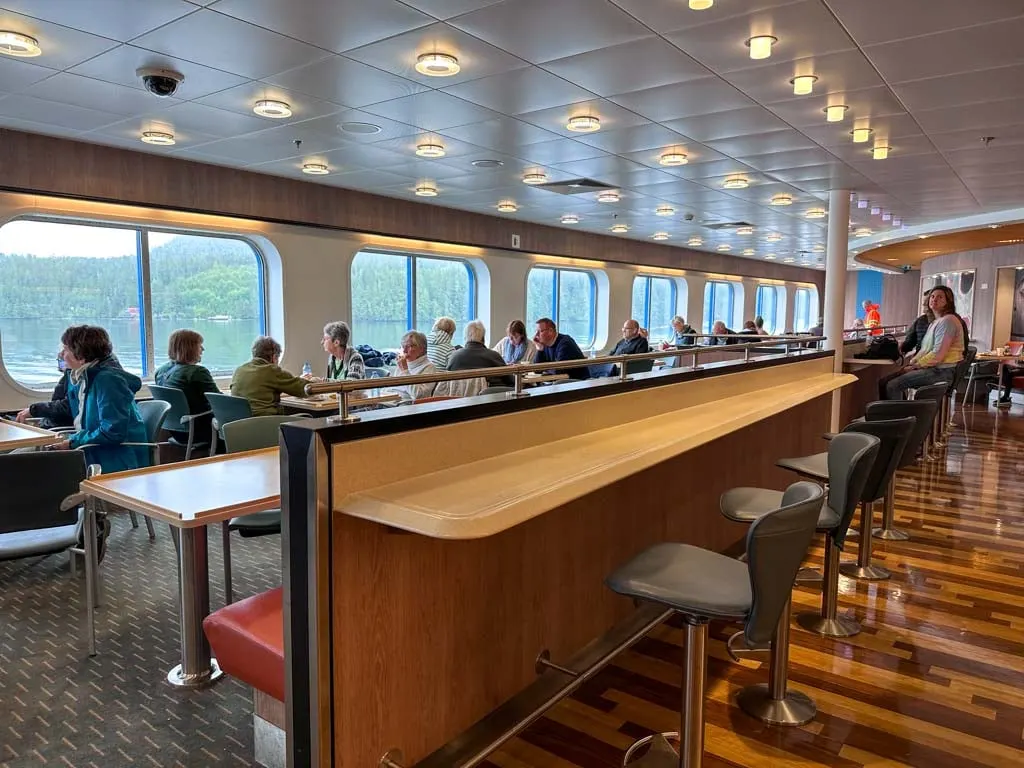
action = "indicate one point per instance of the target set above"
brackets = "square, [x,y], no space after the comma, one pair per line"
[226,408]
[936,393]
[180,416]
[702,585]
[849,460]
[949,402]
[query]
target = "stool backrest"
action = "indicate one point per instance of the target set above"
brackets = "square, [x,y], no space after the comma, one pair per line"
[892,435]
[776,546]
[178,403]
[255,432]
[922,411]
[153,413]
[963,366]
[850,458]
[228,408]
[932,392]
[35,484]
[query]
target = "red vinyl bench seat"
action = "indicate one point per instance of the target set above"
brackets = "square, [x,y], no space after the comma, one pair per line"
[247,639]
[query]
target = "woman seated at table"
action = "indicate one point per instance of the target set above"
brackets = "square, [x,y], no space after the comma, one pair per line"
[439,343]
[344,361]
[262,381]
[101,396]
[515,347]
[413,361]
[941,349]
[183,371]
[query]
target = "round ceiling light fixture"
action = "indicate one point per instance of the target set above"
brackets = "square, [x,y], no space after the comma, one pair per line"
[535,178]
[749,252]
[880,151]
[619,228]
[803,84]
[160,138]
[426,190]
[816,213]
[659,236]
[862,232]
[774,237]
[570,218]
[861,135]
[897,222]
[584,124]
[745,230]
[782,200]
[761,46]
[664,210]
[819,248]
[17,44]
[360,129]
[673,158]
[487,163]
[835,113]
[886,216]
[272,108]
[725,247]
[430,149]
[437,65]
[507,206]
[701,5]
[695,242]
[608,197]
[876,210]
[736,182]
[315,169]
[769,256]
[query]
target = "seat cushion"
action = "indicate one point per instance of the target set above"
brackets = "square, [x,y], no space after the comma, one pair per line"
[815,465]
[265,523]
[692,580]
[247,639]
[745,505]
[42,541]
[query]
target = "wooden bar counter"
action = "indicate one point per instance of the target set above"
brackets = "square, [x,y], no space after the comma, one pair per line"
[430,559]
[854,398]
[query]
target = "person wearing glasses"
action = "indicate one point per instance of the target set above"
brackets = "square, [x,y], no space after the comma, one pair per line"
[56,412]
[344,362]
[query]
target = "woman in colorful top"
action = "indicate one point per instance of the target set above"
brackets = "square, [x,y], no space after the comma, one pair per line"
[941,349]
[344,361]
[515,347]
[439,343]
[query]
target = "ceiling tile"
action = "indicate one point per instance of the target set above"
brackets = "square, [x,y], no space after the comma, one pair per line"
[639,65]
[969,139]
[726,125]
[633,139]
[398,55]
[86,92]
[432,111]
[559,151]
[612,117]
[836,72]
[337,25]
[58,115]
[119,65]
[683,100]
[370,180]
[16,75]
[864,104]
[343,81]
[539,30]
[837,135]
[694,151]
[881,21]
[215,40]
[788,160]
[986,117]
[957,90]
[948,53]
[126,133]
[62,46]
[672,15]
[762,143]
[519,91]
[242,98]
[600,167]
[389,129]
[218,122]
[116,19]
[446,9]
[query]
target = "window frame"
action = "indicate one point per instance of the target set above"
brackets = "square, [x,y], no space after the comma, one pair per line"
[708,320]
[779,293]
[645,321]
[802,290]
[555,304]
[142,257]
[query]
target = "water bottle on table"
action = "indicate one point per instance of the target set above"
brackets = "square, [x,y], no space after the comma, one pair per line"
[307,369]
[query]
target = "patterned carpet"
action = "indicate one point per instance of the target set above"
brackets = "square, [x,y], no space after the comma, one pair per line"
[58,707]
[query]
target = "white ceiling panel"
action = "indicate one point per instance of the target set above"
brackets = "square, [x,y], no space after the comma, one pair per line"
[672,15]
[836,73]
[559,150]
[772,141]
[634,139]
[116,19]
[97,94]
[865,104]
[986,117]
[64,46]
[446,9]
[966,88]
[343,81]
[684,100]
[64,116]
[432,111]
[215,40]
[127,132]
[726,125]
[555,119]
[199,117]
[242,98]
[790,159]
[336,25]
[520,91]
[881,21]
[16,75]
[389,129]
[502,134]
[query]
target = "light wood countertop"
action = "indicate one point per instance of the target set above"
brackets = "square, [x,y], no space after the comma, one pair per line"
[200,492]
[14,435]
[483,498]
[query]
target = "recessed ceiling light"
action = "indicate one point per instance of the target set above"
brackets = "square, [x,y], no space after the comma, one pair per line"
[426,190]
[993,226]
[363,129]
[535,178]
[161,138]
[862,232]
[749,252]
[608,197]
[897,222]
[922,237]
[886,216]
[745,230]
[861,135]
[875,210]
[570,218]
[725,247]
[782,200]
[507,206]
[695,242]
[430,149]
[736,182]
[315,169]
[862,203]
[17,44]
[584,124]
[880,152]
[437,65]
[789,260]
[819,248]
[487,163]
[673,158]
[761,46]
[701,5]
[660,236]
[774,237]
[619,228]
[835,113]
[803,84]
[273,109]
[816,213]
[769,256]
[891,259]
[664,210]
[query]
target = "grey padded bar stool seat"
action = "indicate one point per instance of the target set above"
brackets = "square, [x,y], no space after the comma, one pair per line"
[849,458]
[703,585]
[936,393]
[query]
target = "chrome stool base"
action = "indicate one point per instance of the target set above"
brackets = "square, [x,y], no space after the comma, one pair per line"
[179,679]
[865,572]
[835,627]
[890,534]
[640,749]
[794,709]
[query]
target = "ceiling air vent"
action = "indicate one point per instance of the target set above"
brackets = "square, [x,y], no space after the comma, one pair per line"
[726,225]
[574,186]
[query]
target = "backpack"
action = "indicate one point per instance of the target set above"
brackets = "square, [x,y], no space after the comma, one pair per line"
[881,348]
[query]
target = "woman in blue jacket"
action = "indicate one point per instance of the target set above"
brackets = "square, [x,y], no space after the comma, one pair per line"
[101,396]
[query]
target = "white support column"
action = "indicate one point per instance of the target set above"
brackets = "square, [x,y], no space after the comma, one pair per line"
[835,283]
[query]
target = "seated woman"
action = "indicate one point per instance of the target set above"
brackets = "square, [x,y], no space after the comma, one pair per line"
[413,361]
[262,381]
[439,343]
[941,349]
[515,347]
[101,397]
[182,371]
[344,361]
[56,412]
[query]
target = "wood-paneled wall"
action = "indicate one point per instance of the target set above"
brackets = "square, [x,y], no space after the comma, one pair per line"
[901,297]
[44,164]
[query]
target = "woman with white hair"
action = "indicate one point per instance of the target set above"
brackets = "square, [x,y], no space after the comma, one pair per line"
[439,343]
[476,355]
[413,361]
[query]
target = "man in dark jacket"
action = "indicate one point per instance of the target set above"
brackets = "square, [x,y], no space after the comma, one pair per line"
[915,334]
[631,343]
[553,346]
[476,355]
[56,412]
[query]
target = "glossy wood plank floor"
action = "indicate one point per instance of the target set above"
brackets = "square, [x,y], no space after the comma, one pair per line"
[935,679]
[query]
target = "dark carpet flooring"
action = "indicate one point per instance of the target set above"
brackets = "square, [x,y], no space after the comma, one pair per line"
[58,707]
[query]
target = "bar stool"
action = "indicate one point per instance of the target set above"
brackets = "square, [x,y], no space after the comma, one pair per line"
[923,412]
[949,403]
[935,393]
[703,585]
[848,463]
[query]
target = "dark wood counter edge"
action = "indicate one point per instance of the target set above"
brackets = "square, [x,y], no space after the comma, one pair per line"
[304,445]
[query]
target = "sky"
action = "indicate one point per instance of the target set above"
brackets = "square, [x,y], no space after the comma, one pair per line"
[47,239]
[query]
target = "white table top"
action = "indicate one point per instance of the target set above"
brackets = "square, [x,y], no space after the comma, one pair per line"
[14,435]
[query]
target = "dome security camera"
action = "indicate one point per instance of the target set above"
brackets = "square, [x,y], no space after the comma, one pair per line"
[160,82]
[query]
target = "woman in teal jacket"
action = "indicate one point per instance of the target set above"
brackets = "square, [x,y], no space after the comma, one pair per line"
[102,399]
